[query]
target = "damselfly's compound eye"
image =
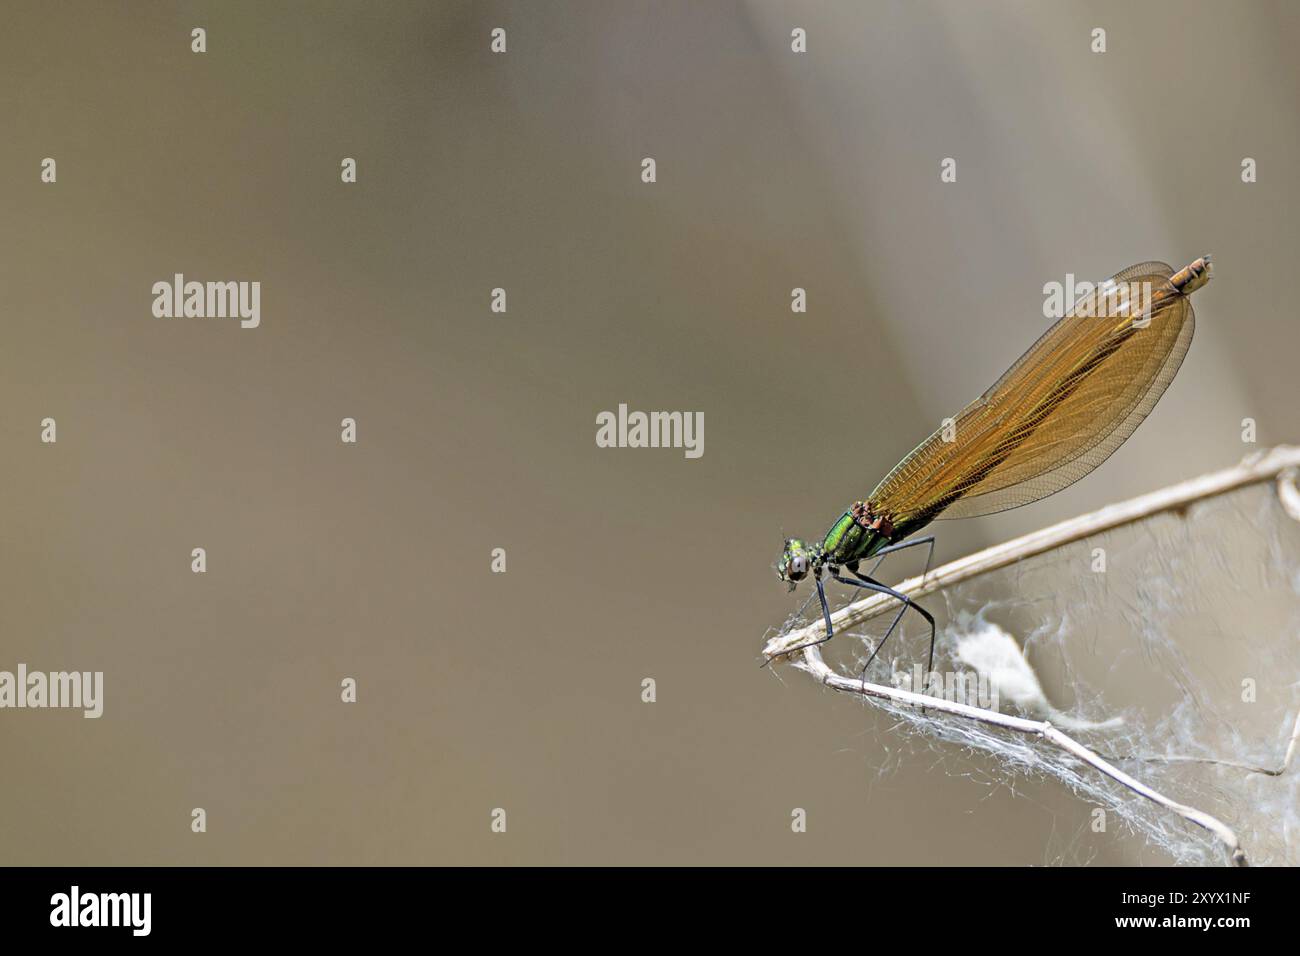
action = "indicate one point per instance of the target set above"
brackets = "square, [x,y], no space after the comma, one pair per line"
[798,567]
[795,561]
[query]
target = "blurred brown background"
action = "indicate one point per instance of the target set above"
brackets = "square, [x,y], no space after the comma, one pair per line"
[522,690]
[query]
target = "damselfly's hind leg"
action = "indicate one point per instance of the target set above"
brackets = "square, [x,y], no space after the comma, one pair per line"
[865,581]
[883,553]
[928,541]
[880,556]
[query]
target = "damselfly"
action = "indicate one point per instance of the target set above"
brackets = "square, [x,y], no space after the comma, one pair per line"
[1055,415]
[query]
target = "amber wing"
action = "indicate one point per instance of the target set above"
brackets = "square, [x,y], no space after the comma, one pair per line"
[1057,413]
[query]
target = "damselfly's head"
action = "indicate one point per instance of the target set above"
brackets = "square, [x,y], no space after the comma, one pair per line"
[796,560]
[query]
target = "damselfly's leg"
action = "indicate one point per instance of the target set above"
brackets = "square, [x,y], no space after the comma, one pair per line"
[929,553]
[883,552]
[872,585]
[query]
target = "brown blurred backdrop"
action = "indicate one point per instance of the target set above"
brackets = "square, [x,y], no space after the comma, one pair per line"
[476,430]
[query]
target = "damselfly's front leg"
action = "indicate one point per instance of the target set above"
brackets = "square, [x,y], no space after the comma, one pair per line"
[866,581]
[826,616]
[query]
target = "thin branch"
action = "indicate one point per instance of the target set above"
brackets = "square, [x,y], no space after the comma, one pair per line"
[1288,494]
[812,663]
